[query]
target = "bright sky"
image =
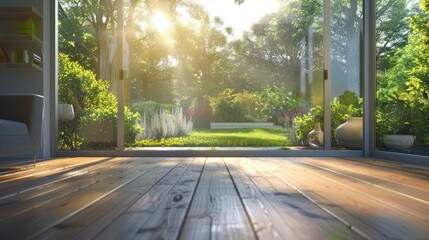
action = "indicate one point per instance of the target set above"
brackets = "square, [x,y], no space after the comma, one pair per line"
[239,17]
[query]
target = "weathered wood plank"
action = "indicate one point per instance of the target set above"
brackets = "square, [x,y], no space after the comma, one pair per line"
[45,173]
[63,186]
[403,181]
[371,189]
[216,211]
[267,221]
[127,225]
[305,219]
[42,218]
[364,215]
[366,196]
[418,171]
[93,220]
[167,220]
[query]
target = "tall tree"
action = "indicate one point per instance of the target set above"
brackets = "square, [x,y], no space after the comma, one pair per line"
[272,49]
[101,16]
[392,29]
[201,50]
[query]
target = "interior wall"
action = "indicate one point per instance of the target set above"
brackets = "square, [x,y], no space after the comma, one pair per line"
[22,81]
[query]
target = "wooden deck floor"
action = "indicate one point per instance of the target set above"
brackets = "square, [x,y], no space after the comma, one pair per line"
[215,198]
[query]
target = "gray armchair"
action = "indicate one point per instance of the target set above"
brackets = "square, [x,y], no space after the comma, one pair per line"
[21,118]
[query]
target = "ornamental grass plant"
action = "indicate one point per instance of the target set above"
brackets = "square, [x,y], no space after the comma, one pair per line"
[166,124]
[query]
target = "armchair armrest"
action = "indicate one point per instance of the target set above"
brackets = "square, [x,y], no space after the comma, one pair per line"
[27,109]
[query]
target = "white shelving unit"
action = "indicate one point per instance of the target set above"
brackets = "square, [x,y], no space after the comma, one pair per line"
[9,40]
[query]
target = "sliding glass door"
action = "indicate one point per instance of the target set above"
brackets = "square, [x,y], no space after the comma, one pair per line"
[402,109]
[208,74]
[346,98]
[87,76]
[221,75]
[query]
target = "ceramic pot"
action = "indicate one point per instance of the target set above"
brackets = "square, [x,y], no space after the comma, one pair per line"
[315,137]
[398,142]
[349,135]
[65,112]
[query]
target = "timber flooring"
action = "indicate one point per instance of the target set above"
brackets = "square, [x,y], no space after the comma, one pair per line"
[215,198]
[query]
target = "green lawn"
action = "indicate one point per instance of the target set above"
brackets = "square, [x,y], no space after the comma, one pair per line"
[246,137]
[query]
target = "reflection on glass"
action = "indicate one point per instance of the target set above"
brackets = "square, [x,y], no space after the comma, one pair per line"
[227,75]
[346,98]
[402,77]
[87,77]
[201,74]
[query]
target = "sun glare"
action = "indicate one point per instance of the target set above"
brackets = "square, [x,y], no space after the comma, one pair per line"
[240,17]
[161,22]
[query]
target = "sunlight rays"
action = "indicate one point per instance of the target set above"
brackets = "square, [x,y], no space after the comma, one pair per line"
[161,22]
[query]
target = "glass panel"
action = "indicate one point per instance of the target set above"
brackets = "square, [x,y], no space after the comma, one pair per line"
[308,125]
[197,74]
[221,74]
[402,77]
[87,73]
[346,85]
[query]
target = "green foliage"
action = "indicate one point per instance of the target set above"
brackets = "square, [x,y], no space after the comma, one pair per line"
[92,102]
[148,108]
[223,138]
[107,116]
[201,48]
[75,37]
[392,30]
[251,104]
[201,113]
[305,123]
[402,95]
[229,111]
[344,106]
[225,95]
[244,106]
[278,101]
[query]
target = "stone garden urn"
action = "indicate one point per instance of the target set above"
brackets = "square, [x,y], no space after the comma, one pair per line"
[398,142]
[349,135]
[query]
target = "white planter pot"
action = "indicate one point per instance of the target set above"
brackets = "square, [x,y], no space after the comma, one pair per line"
[350,134]
[398,142]
[65,112]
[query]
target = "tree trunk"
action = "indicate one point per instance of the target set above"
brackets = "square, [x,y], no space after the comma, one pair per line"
[353,51]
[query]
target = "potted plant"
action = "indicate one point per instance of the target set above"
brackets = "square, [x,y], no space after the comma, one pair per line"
[349,133]
[401,139]
[395,125]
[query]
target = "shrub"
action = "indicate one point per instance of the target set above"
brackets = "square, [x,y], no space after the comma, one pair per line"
[251,104]
[148,108]
[238,107]
[342,107]
[201,113]
[229,111]
[402,92]
[278,103]
[166,124]
[225,95]
[305,123]
[103,120]
[92,102]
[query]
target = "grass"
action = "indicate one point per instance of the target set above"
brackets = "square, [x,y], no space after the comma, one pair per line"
[245,137]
